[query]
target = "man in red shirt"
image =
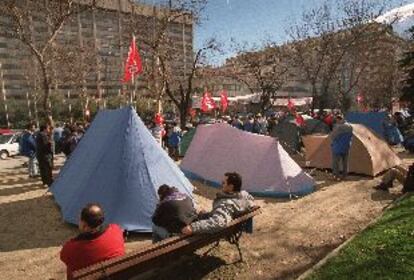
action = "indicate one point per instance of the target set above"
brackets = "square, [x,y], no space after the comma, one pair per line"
[95,243]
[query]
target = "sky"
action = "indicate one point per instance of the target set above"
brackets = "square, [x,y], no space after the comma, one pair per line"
[252,21]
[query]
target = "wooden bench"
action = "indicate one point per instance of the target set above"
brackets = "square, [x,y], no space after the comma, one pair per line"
[139,262]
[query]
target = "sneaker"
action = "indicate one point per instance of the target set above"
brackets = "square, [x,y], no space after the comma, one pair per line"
[336,178]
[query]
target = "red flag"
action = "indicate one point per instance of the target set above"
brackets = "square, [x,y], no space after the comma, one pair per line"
[133,65]
[192,112]
[299,120]
[207,103]
[290,105]
[158,119]
[329,119]
[224,100]
[359,98]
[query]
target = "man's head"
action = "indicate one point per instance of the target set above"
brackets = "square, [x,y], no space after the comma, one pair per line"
[165,190]
[46,128]
[339,119]
[92,216]
[31,127]
[232,182]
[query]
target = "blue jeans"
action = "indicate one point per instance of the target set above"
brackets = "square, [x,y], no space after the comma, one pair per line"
[159,234]
[33,166]
[340,160]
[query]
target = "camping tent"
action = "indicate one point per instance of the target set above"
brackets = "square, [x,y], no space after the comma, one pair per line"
[288,134]
[369,154]
[119,165]
[186,141]
[379,123]
[372,120]
[264,165]
[314,126]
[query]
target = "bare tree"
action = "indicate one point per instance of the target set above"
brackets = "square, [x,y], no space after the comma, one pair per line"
[52,15]
[171,65]
[181,91]
[263,72]
[323,45]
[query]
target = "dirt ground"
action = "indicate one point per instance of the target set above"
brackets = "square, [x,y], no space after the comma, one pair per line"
[289,236]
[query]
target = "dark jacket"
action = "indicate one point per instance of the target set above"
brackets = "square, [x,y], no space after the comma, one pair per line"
[69,143]
[28,144]
[43,145]
[341,137]
[174,212]
[174,139]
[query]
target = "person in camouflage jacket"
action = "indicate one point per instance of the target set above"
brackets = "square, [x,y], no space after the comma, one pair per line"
[226,207]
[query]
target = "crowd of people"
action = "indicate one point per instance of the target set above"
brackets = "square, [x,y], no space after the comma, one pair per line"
[175,213]
[169,134]
[40,146]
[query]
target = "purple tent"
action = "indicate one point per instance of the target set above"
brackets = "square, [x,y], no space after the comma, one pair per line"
[266,168]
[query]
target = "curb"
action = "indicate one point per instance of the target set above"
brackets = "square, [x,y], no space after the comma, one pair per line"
[335,252]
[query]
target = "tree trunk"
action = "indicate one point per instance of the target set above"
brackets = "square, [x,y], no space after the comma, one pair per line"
[183,114]
[46,90]
[313,97]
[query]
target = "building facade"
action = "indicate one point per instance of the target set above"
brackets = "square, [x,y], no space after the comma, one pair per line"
[97,41]
[371,70]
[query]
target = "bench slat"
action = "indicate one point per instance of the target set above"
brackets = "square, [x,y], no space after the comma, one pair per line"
[137,262]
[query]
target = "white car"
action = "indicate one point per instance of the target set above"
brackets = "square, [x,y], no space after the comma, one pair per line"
[9,145]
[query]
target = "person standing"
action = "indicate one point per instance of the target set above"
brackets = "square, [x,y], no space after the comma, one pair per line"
[341,137]
[57,137]
[237,123]
[71,140]
[44,153]
[28,149]
[158,132]
[174,140]
[248,124]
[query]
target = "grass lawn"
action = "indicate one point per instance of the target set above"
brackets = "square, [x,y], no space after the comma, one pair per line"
[383,251]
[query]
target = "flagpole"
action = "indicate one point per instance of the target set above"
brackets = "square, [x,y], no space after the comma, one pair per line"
[133,66]
[132,93]
[119,96]
[132,97]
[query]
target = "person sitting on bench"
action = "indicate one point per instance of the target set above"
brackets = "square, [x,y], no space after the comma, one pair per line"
[226,206]
[95,243]
[174,211]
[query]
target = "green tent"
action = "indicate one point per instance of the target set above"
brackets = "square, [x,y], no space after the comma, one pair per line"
[288,134]
[186,141]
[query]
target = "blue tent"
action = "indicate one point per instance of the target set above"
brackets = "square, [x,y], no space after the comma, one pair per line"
[118,164]
[372,120]
[379,123]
